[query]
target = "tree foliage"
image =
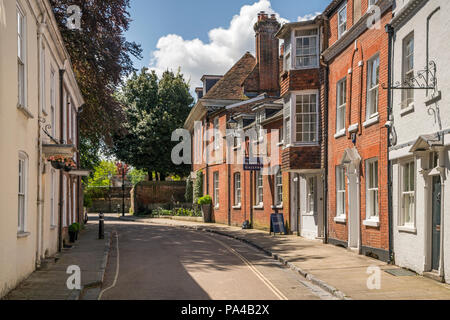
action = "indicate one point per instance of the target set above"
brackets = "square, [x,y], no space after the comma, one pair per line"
[101,58]
[136,176]
[103,174]
[154,108]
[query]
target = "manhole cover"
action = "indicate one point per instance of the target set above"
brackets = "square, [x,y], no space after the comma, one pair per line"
[400,272]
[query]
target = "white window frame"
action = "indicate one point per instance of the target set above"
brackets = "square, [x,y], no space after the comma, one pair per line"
[287,132]
[301,38]
[216,134]
[74,202]
[216,189]
[341,105]
[21,57]
[237,189]
[287,62]
[259,189]
[294,115]
[407,192]
[343,23]
[407,94]
[43,82]
[279,188]
[53,101]
[372,191]
[52,198]
[341,206]
[22,194]
[371,90]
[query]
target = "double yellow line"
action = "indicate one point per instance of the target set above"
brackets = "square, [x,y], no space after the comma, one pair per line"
[260,276]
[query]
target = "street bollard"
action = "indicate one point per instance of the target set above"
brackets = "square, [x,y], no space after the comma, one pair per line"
[101,226]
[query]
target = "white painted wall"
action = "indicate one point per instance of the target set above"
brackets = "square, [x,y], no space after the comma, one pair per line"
[410,247]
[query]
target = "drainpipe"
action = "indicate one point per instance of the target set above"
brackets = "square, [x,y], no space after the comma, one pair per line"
[61,130]
[207,155]
[79,198]
[428,40]
[390,32]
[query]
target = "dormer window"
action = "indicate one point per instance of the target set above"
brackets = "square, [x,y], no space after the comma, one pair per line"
[342,20]
[307,48]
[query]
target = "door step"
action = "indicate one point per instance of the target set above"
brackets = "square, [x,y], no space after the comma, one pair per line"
[434,276]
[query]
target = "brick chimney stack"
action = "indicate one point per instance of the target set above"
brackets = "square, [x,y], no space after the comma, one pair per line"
[267,54]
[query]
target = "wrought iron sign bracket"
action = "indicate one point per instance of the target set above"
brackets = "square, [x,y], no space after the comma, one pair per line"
[424,80]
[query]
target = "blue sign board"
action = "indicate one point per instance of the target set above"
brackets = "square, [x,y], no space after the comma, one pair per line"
[253,164]
[277,223]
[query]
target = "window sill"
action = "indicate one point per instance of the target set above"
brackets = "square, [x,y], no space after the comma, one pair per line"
[237,148]
[407,110]
[25,111]
[340,219]
[237,207]
[374,119]
[353,128]
[259,207]
[407,229]
[340,134]
[308,214]
[280,144]
[371,223]
[53,227]
[216,207]
[21,235]
[278,207]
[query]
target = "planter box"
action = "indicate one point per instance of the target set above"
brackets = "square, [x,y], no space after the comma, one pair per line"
[206,212]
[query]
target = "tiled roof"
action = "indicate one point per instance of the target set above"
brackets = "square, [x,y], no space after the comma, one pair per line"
[332,6]
[230,86]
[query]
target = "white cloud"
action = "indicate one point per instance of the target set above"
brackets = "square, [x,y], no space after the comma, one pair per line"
[307,17]
[225,46]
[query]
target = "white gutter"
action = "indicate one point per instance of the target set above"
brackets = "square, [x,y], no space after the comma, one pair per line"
[246,102]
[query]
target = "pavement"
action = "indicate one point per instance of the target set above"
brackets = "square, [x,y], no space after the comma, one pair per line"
[49,282]
[341,272]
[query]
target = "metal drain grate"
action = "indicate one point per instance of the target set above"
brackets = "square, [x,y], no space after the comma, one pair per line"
[400,272]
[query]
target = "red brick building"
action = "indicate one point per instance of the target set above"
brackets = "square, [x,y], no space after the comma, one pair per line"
[240,195]
[303,135]
[357,59]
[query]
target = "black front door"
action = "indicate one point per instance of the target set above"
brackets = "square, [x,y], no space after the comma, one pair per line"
[436,223]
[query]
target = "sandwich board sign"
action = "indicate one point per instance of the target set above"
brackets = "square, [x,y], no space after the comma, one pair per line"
[277,223]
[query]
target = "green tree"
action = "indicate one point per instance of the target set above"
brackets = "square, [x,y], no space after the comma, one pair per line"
[103,174]
[101,58]
[136,176]
[154,108]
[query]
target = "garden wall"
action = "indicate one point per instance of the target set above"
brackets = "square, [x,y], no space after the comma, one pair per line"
[150,195]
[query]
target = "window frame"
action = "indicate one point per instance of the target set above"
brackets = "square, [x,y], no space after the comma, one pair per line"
[22,57]
[411,164]
[53,100]
[52,197]
[237,189]
[375,206]
[343,106]
[279,188]
[407,73]
[342,23]
[22,193]
[317,48]
[341,193]
[311,195]
[216,189]
[369,113]
[287,123]
[259,189]
[216,129]
[294,115]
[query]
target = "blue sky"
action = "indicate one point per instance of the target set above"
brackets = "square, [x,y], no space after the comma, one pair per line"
[203,36]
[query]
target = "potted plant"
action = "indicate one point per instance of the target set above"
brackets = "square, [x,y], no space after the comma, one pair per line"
[69,165]
[78,227]
[73,230]
[205,203]
[57,162]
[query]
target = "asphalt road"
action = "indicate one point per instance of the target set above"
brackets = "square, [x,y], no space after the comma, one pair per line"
[156,262]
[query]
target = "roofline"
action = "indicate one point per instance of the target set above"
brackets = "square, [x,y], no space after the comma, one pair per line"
[332,6]
[288,26]
[211,76]
[246,102]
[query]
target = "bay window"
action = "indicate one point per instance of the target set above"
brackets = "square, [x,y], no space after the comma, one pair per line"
[307,48]
[287,122]
[306,118]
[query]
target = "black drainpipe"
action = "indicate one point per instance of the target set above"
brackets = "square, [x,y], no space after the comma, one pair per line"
[61,122]
[390,32]
[325,196]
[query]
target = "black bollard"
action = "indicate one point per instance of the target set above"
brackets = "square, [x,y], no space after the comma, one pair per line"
[101,226]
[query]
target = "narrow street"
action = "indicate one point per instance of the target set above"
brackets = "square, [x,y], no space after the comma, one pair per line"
[154,262]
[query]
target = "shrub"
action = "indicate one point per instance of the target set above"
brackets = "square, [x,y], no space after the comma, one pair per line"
[74,227]
[189,190]
[198,186]
[205,200]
